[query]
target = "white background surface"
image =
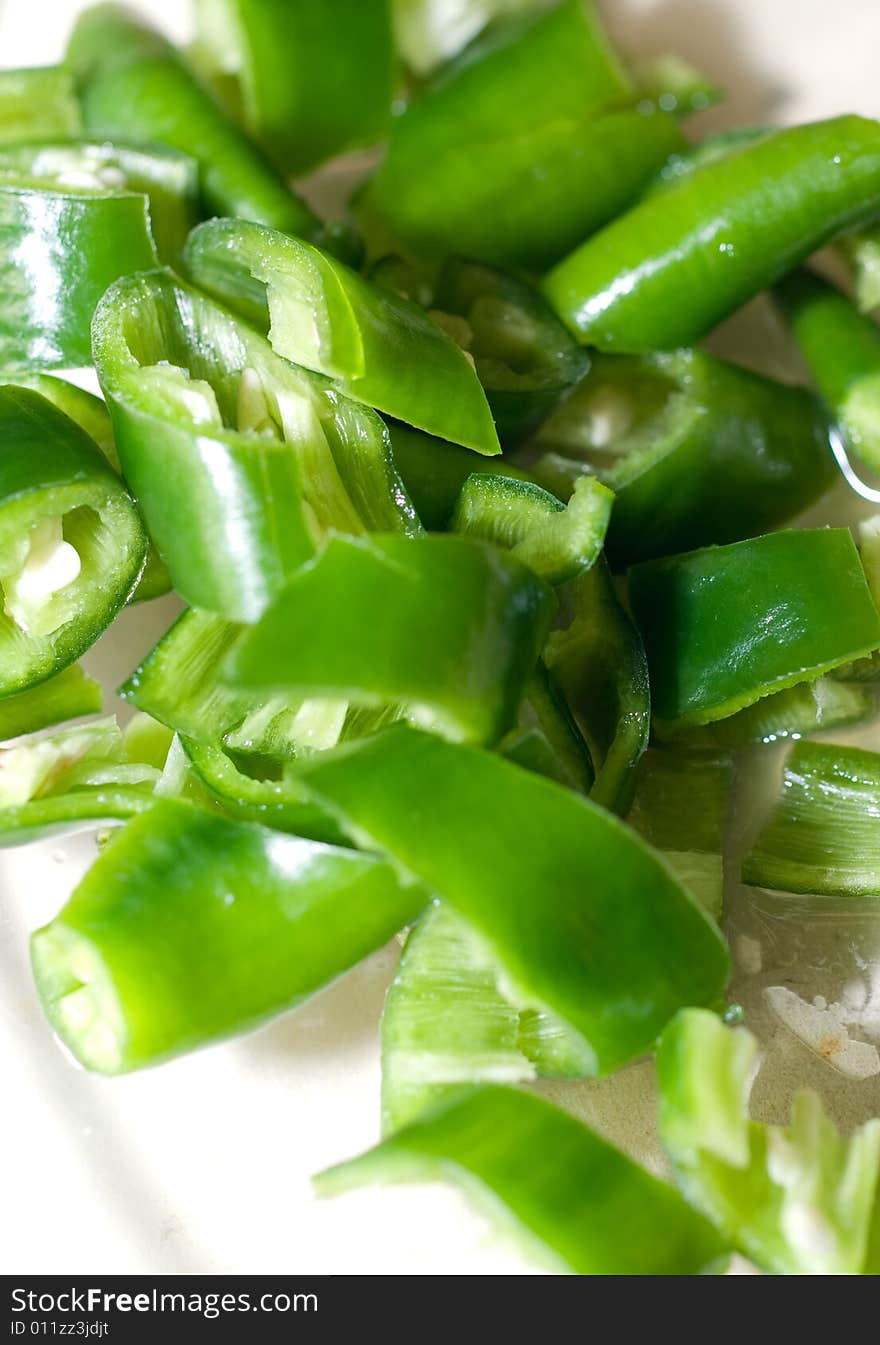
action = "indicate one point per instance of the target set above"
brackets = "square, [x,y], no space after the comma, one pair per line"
[203,1165]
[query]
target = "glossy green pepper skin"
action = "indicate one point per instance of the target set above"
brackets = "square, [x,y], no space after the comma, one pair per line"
[448,628]
[666,272]
[696,450]
[309,79]
[65,696]
[727,625]
[497,162]
[377,347]
[841,347]
[434,471]
[238,460]
[60,505]
[133,86]
[583,918]
[191,927]
[594,1210]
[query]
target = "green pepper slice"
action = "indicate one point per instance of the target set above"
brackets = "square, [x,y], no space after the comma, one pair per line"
[726,625]
[862,251]
[309,79]
[71,541]
[597,660]
[570,1194]
[821,837]
[524,357]
[446,627]
[223,441]
[191,927]
[134,86]
[67,695]
[672,267]
[695,449]
[809,707]
[68,780]
[36,102]
[798,1199]
[74,217]
[434,472]
[377,347]
[522,167]
[429,33]
[584,919]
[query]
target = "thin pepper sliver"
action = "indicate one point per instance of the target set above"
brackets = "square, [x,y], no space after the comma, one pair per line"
[661,275]
[569,1193]
[727,625]
[582,916]
[191,927]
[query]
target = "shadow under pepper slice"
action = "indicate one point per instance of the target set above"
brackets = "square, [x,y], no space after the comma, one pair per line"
[727,625]
[377,347]
[446,628]
[695,449]
[71,542]
[583,918]
[191,927]
[571,1195]
[239,461]
[134,86]
[672,267]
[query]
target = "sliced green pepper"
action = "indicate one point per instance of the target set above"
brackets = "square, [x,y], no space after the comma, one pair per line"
[36,102]
[447,627]
[434,472]
[74,217]
[584,920]
[675,85]
[71,543]
[430,32]
[67,695]
[524,357]
[239,461]
[695,449]
[546,737]
[68,780]
[557,541]
[521,167]
[570,1194]
[822,836]
[809,707]
[312,79]
[862,251]
[598,662]
[727,625]
[134,86]
[798,1199]
[191,927]
[842,350]
[378,348]
[672,267]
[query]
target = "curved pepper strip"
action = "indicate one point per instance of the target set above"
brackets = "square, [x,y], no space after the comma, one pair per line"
[841,348]
[524,357]
[133,86]
[557,541]
[377,347]
[191,927]
[67,695]
[571,1195]
[434,472]
[239,461]
[71,543]
[695,449]
[663,274]
[73,219]
[796,1200]
[727,625]
[37,101]
[447,628]
[822,836]
[522,167]
[310,79]
[598,662]
[546,737]
[584,920]
[91,414]
[862,251]
[68,780]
